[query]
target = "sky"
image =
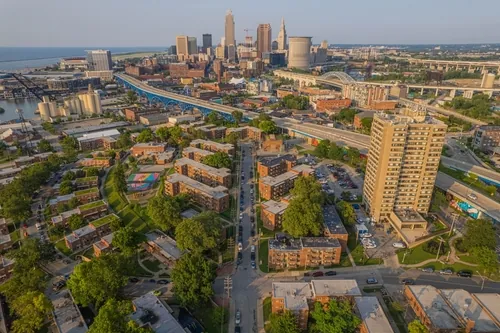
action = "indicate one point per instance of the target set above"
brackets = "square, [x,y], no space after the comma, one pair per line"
[113,23]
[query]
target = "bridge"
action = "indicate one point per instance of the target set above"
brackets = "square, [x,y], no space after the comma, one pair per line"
[337,79]
[456,64]
[485,175]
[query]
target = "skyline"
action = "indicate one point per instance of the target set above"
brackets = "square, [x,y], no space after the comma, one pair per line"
[391,22]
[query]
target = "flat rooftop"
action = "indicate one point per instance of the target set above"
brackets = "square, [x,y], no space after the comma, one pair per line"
[295,294]
[148,145]
[303,168]
[288,244]
[215,192]
[373,315]
[167,244]
[275,207]
[273,181]
[464,304]
[271,161]
[149,310]
[216,145]
[222,172]
[197,150]
[409,216]
[320,242]
[98,135]
[332,221]
[67,316]
[189,213]
[435,307]
[489,301]
[88,129]
[61,198]
[335,288]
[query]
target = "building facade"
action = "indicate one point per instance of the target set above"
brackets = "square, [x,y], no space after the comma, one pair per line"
[99,60]
[275,166]
[212,146]
[229,35]
[282,36]
[272,213]
[264,39]
[195,154]
[487,138]
[276,187]
[203,173]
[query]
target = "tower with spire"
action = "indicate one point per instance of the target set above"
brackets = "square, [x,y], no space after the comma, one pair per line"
[282,36]
[229,29]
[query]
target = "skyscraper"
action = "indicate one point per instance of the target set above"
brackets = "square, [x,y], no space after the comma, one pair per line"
[99,60]
[229,29]
[181,43]
[263,39]
[403,162]
[207,42]
[192,45]
[282,36]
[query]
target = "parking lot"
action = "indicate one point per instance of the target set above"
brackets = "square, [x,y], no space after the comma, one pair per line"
[342,179]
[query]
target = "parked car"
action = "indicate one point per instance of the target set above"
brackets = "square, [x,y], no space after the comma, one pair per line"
[254,266]
[134,280]
[371,281]
[366,235]
[237,329]
[252,248]
[252,256]
[398,245]
[252,232]
[408,281]
[237,320]
[240,246]
[467,274]
[446,272]
[318,273]
[240,255]
[162,281]
[428,270]
[331,273]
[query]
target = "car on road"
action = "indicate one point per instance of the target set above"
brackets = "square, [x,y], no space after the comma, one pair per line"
[318,273]
[237,319]
[446,271]
[472,196]
[428,270]
[466,274]
[371,281]
[162,281]
[152,280]
[252,256]
[133,280]
[398,245]
[254,266]
[241,215]
[252,232]
[408,281]
[331,273]
[240,246]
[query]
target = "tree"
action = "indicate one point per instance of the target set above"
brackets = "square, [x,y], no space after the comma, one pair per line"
[345,195]
[295,102]
[175,133]
[118,178]
[213,117]
[130,98]
[304,215]
[346,212]
[438,201]
[486,258]
[92,171]
[31,310]
[479,233]
[165,212]
[237,116]
[127,240]
[268,127]
[73,203]
[337,317]
[124,140]
[199,233]
[163,134]
[491,189]
[76,222]
[417,327]
[16,207]
[366,124]
[262,117]
[114,317]
[69,175]
[66,187]
[218,160]
[232,138]
[69,146]
[284,322]
[98,280]
[345,116]
[192,277]
[146,135]
[44,146]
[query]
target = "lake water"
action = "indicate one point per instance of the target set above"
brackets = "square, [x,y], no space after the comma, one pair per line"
[27,105]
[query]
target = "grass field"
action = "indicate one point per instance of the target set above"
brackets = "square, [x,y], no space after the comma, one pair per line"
[61,246]
[263,255]
[153,265]
[206,316]
[266,308]
[414,256]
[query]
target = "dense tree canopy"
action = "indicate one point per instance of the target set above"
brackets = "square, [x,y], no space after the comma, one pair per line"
[127,240]
[118,178]
[218,160]
[124,141]
[66,187]
[304,215]
[114,317]
[417,327]
[166,211]
[366,125]
[295,102]
[130,98]
[478,107]
[162,133]
[237,116]
[257,120]
[193,276]
[268,127]
[337,317]
[76,222]
[199,233]
[479,233]
[284,322]
[146,135]
[69,146]
[31,309]
[346,212]
[345,116]
[44,146]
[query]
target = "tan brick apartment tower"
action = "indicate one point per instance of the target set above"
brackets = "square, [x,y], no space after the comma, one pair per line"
[403,162]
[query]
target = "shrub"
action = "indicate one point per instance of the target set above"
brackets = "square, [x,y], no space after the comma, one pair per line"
[460,246]
[432,247]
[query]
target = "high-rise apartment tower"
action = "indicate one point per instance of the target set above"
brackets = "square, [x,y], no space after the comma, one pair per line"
[99,60]
[403,163]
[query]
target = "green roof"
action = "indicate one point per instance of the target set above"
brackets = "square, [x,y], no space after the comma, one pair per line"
[91,205]
[87,179]
[104,220]
[87,191]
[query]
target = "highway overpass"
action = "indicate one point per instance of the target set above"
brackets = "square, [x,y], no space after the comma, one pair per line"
[485,175]
[456,64]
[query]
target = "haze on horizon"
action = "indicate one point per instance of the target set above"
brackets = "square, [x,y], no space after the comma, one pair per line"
[115,23]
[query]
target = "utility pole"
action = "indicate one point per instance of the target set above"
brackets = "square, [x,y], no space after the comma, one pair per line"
[228,285]
[439,248]
[455,216]
[482,278]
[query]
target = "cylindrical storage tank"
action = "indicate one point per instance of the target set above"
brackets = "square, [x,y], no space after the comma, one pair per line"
[98,107]
[44,111]
[299,52]
[53,109]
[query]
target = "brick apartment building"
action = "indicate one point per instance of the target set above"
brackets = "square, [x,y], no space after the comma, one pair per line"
[187,70]
[5,240]
[272,213]
[212,132]
[213,146]
[212,198]
[141,149]
[83,196]
[487,138]
[104,245]
[360,116]
[6,267]
[333,226]
[25,160]
[92,209]
[195,154]
[332,104]
[134,113]
[247,132]
[98,162]
[203,173]
[162,247]
[88,235]
[287,253]
[275,187]
[87,182]
[275,166]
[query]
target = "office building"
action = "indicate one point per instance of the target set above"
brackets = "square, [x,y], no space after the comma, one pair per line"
[195,154]
[454,310]
[99,60]
[203,173]
[403,161]
[213,146]
[264,39]
[299,52]
[207,42]
[289,253]
[192,45]
[486,138]
[229,35]
[275,187]
[182,45]
[272,213]
[79,63]
[211,198]
[275,166]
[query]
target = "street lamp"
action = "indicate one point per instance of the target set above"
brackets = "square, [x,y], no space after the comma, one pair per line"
[482,278]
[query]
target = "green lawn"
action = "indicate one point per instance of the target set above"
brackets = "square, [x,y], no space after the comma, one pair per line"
[137,270]
[61,246]
[471,181]
[267,308]
[205,314]
[260,225]
[153,265]
[414,256]
[344,262]
[15,236]
[263,255]
[361,260]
